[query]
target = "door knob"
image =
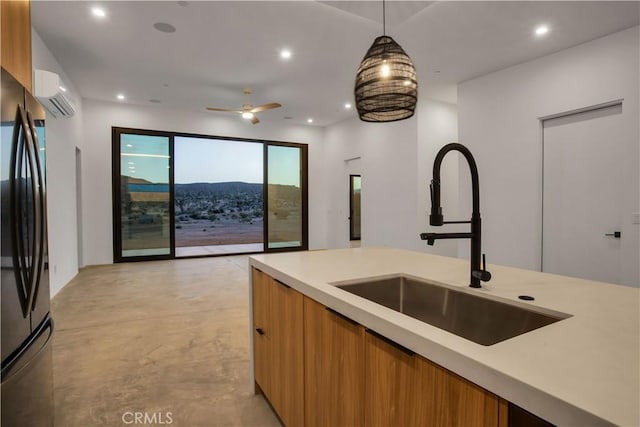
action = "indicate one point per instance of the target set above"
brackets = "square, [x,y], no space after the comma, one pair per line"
[615,234]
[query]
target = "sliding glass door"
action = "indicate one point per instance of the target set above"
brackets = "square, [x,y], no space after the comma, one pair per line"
[218,196]
[286,225]
[143,220]
[182,195]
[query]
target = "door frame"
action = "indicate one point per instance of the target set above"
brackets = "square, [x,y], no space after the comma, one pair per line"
[351,236]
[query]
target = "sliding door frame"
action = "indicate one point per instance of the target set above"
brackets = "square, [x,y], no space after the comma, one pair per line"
[116,133]
[116,193]
[304,187]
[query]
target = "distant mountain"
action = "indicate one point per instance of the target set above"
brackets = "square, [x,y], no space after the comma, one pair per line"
[134,180]
[217,188]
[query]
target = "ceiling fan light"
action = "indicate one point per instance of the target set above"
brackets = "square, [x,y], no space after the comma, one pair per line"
[386,87]
[247,115]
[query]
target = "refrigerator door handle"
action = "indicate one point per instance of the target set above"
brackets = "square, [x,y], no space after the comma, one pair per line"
[39,213]
[23,270]
[7,368]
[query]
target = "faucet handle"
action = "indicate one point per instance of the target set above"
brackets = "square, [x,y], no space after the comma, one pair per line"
[483,274]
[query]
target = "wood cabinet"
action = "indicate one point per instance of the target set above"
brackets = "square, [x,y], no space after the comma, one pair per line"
[334,368]
[261,337]
[318,368]
[390,383]
[404,389]
[449,400]
[278,346]
[16,40]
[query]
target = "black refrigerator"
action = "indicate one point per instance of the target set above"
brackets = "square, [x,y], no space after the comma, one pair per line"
[27,326]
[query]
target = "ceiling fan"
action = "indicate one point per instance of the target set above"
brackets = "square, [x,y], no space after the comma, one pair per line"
[249,111]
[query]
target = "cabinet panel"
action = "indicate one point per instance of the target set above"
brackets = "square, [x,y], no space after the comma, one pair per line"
[16,40]
[389,384]
[286,324]
[261,338]
[450,400]
[334,368]
[278,346]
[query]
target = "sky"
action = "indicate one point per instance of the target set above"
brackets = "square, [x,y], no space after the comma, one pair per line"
[217,160]
[207,160]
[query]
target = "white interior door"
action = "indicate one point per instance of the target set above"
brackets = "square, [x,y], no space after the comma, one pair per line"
[584,190]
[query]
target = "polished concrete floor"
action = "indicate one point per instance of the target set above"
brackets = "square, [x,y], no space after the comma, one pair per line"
[186,251]
[156,338]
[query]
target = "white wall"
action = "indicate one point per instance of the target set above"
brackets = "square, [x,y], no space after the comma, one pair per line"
[438,126]
[62,137]
[386,155]
[100,117]
[498,121]
[395,160]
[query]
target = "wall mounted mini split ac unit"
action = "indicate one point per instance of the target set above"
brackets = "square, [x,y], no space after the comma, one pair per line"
[48,90]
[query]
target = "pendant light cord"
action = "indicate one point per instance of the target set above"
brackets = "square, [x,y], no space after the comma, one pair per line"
[384,23]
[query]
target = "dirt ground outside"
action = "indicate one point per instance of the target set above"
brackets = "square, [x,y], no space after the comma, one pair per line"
[208,233]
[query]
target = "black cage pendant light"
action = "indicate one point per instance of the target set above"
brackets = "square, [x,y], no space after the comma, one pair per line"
[386,88]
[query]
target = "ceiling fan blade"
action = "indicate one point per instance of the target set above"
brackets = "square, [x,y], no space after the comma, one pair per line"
[254,120]
[223,109]
[264,107]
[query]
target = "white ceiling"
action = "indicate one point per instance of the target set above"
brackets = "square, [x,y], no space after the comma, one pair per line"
[220,47]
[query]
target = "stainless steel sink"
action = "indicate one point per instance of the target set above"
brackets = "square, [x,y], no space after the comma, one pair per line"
[476,318]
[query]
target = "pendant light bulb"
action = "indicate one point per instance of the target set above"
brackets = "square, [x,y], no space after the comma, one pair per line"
[385,71]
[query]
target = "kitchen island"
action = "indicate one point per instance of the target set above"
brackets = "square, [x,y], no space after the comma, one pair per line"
[582,370]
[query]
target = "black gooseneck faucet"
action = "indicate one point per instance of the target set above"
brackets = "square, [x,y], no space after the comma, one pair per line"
[436,219]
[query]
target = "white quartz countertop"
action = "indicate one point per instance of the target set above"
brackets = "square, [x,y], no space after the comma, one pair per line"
[583,370]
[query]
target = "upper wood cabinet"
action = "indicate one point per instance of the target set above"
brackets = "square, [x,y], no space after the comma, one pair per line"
[278,346]
[16,40]
[334,368]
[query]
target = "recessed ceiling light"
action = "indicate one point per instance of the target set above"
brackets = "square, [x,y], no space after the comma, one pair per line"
[98,12]
[120,96]
[347,105]
[309,120]
[287,117]
[155,101]
[164,27]
[285,54]
[247,115]
[542,30]
[129,145]
[62,88]
[130,163]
